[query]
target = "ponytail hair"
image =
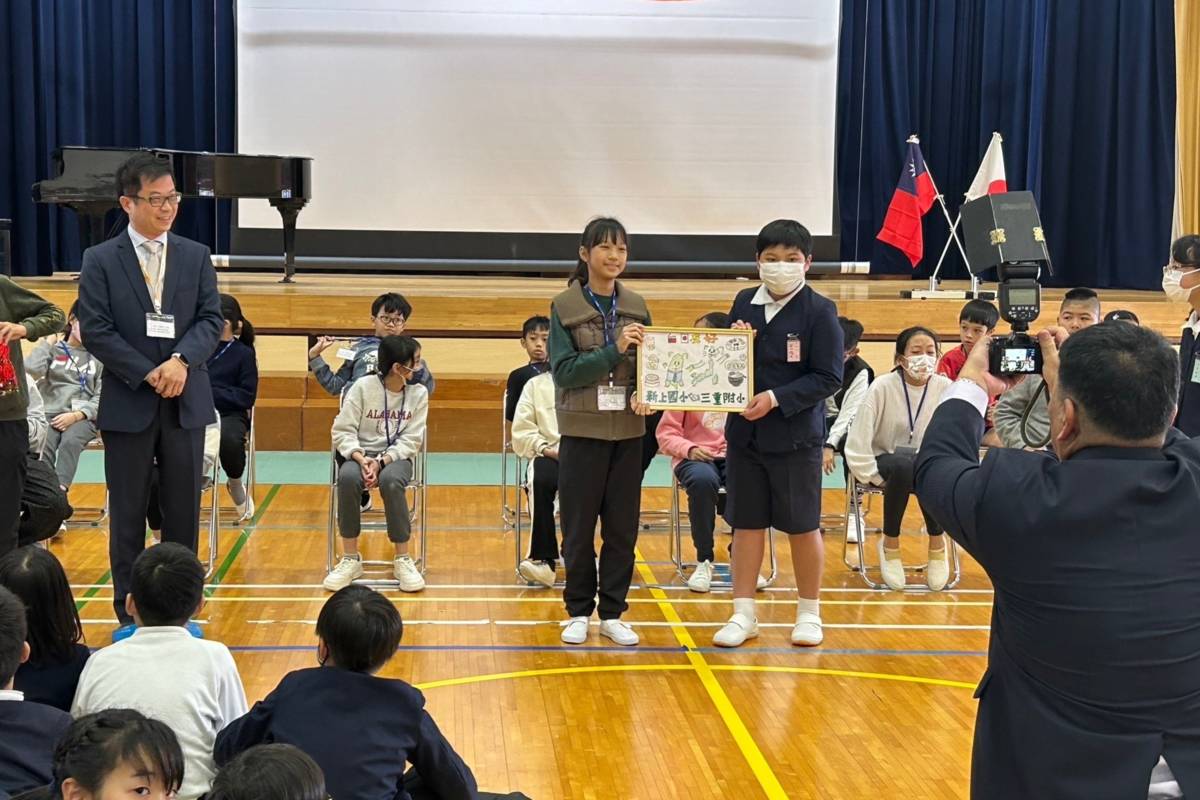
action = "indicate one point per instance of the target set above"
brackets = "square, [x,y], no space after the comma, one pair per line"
[598,231]
[231,310]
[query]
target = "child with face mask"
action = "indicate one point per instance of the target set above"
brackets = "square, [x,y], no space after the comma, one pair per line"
[882,446]
[1181,279]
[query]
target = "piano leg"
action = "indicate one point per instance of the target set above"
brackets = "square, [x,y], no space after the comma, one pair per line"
[289,210]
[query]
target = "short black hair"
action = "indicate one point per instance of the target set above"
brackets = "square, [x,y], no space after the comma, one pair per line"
[97,744]
[53,628]
[1137,360]
[1186,250]
[167,584]
[396,350]
[361,629]
[12,634]
[852,331]
[269,772]
[1122,314]
[786,232]
[535,324]
[716,319]
[140,168]
[393,303]
[1082,295]
[979,312]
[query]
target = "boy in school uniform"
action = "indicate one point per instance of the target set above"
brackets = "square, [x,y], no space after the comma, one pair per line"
[163,671]
[773,455]
[30,730]
[535,335]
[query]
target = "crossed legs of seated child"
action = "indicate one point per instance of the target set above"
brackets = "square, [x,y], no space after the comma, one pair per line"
[391,481]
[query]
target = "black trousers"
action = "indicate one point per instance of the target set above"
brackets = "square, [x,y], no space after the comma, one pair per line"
[897,472]
[235,426]
[602,480]
[543,543]
[129,461]
[14,444]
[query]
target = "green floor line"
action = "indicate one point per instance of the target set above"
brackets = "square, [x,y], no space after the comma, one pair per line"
[83,601]
[243,537]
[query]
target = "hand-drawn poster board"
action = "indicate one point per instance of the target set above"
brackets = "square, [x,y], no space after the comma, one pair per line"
[696,369]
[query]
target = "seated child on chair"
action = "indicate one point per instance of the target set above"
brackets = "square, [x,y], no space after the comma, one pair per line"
[233,372]
[390,312]
[883,442]
[535,437]
[534,335]
[977,319]
[377,435]
[695,441]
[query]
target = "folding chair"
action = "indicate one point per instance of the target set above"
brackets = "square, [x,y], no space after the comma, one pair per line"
[374,520]
[249,477]
[508,514]
[856,493]
[677,543]
[92,517]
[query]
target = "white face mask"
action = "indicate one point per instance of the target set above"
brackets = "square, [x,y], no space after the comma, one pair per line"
[781,277]
[920,367]
[1171,285]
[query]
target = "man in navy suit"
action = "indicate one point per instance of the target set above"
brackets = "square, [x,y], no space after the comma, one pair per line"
[1094,660]
[149,309]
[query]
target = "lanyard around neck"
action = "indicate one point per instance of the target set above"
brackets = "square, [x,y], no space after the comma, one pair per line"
[912,420]
[610,316]
[400,424]
[78,372]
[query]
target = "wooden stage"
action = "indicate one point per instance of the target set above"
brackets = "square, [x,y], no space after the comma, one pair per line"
[882,709]
[468,327]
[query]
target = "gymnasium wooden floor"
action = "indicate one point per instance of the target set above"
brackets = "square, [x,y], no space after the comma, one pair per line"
[884,707]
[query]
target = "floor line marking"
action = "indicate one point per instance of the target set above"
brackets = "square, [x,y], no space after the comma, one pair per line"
[524,588]
[557,600]
[238,544]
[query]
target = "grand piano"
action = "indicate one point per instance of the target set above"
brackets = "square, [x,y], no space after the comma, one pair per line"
[85,180]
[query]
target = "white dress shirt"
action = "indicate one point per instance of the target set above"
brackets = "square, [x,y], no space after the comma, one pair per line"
[771,307]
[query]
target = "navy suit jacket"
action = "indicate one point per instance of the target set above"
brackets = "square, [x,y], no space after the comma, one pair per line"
[801,387]
[113,303]
[1094,659]
[28,735]
[1189,390]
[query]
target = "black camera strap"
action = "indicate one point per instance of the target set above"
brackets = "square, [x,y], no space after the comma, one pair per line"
[1044,389]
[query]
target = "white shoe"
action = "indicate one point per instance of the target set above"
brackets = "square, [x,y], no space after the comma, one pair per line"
[761,583]
[808,631]
[937,573]
[244,510]
[619,632]
[736,631]
[347,571]
[538,572]
[892,569]
[701,580]
[407,573]
[854,526]
[364,504]
[575,630]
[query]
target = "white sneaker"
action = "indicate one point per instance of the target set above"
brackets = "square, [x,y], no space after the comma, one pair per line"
[937,573]
[808,631]
[892,569]
[854,526]
[245,509]
[364,504]
[619,632]
[538,572]
[701,580]
[407,573]
[575,630]
[347,571]
[761,583]
[736,631]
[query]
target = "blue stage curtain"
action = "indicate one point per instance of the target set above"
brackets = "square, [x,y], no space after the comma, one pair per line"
[108,73]
[1050,77]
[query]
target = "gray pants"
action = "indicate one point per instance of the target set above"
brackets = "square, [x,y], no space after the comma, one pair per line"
[392,480]
[62,449]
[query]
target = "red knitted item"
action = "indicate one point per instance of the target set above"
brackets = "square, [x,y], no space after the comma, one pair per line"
[8,375]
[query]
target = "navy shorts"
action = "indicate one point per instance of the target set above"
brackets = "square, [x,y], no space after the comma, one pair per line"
[773,490]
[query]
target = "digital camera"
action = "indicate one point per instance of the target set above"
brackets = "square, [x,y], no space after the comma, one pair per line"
[1020,299]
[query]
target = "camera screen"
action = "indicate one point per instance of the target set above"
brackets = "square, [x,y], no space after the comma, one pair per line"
[1023,297]
[1018,360]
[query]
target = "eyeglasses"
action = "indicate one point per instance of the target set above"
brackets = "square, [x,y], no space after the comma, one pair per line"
[157,200]
[390,322]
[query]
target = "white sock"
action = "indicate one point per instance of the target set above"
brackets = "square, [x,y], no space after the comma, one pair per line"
[745,607]
[804,605]
[236,490]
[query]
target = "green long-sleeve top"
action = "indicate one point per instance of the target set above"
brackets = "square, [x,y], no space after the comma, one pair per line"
[40,318]
[573,369]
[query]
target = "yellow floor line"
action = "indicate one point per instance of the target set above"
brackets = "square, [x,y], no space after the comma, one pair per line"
[733,721]
[845,673]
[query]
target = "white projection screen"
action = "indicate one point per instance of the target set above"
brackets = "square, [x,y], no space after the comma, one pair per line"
[678,116]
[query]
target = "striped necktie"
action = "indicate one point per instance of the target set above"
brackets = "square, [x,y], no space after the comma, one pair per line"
[152,271]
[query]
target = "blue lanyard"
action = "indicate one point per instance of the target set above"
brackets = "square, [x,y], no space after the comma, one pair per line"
[912,421]
[78,372]
[610,317]
[400,425]
[221,352]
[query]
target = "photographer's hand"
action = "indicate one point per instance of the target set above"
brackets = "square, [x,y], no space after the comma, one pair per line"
[976,370]
[1050,340]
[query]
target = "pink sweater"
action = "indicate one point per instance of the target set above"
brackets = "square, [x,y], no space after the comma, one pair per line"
[680,431]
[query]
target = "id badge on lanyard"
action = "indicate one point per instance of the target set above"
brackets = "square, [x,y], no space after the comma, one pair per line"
[610,398]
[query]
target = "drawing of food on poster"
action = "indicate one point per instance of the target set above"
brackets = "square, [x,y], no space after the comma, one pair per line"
[696,369]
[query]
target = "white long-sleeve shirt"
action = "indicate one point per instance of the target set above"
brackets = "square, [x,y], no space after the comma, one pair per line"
[191,684]
[371,416]
[852,401]
[882,423]
[535,423]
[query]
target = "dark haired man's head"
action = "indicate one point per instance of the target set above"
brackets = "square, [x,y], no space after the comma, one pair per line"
[398,357]
[1122,315]
[36,577]
[358,630]
[167,586]
[535,336]
[13,650]
[1185,251]
[390,312]
[1117,385]
[146,192]
[270,772]
[714,319]
[1080,309]
[117,752]
[852,331]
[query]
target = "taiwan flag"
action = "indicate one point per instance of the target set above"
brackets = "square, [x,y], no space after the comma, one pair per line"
[914,196]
